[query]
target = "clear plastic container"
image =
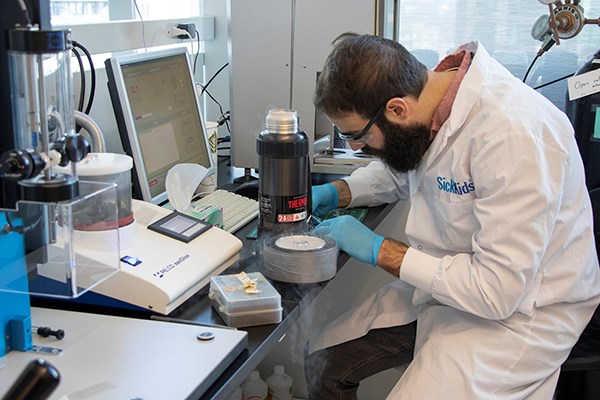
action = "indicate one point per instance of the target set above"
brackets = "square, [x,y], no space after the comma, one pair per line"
[239,307]
[247,318]
[232,298]
[63,265]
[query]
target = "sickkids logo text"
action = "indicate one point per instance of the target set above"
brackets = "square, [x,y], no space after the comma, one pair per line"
[456,187]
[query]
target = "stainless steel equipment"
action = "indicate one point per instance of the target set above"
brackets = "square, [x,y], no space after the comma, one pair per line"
[284,180]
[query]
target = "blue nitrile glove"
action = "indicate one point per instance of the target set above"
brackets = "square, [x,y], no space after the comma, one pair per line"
[353,237]
[324,199]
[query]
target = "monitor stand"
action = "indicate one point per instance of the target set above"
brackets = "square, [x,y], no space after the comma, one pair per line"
[247,177]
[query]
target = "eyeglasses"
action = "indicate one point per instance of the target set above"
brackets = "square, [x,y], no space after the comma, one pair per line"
[359,137]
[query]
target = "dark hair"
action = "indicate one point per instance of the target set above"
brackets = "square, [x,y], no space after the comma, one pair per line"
[362,72]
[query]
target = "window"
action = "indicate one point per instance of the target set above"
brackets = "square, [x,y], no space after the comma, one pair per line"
[65,12]
[430,29]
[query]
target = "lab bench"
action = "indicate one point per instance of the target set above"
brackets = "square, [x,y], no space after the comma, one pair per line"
[260,339]
[294,298]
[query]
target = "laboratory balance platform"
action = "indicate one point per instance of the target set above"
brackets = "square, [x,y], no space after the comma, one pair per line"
[106,357]
[157,272]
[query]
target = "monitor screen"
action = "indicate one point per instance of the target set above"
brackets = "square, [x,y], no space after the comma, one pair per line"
[159,118]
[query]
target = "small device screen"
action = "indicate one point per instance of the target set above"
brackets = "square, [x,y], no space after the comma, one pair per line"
[180,226]
[131,260]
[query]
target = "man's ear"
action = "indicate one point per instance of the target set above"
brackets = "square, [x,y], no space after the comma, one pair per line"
[397,109]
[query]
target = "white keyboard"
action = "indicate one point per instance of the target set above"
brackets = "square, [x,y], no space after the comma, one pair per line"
[237,210]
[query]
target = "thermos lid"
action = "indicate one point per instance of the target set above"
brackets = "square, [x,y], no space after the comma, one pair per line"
[282,121]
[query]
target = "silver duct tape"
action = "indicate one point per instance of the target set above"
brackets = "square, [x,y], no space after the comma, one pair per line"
[305,258]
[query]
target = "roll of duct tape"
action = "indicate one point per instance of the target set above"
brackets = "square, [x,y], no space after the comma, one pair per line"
[300,258]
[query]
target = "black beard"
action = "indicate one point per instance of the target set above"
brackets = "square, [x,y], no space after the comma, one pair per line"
[403,147]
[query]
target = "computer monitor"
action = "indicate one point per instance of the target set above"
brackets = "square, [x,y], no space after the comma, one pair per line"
[158,115]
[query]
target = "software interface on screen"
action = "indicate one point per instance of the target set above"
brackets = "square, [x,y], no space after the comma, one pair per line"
[166,117]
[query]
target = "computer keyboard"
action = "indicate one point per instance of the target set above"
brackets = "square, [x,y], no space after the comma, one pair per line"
[237,210]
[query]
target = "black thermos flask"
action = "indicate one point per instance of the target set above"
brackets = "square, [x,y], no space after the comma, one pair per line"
[284,174]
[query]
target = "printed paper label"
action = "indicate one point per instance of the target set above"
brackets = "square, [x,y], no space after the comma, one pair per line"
[584,84]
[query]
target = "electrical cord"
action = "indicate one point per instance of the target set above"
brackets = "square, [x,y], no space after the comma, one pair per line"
[530,67]
[81,78]
[547,43]
[90,101]
[23,7]
[197,51]
[547,83]
[20,229]
[554,81]
[189,36]
[82,74]
[222,117]
[223,113]
[213,77]
[143,28]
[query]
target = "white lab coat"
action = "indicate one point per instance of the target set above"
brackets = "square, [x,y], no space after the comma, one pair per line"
[502,272]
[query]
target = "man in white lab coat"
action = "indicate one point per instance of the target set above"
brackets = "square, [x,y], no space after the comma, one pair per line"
[500,270]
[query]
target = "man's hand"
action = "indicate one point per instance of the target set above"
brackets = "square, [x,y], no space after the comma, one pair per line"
[324,199]
[330,196]
[352,237]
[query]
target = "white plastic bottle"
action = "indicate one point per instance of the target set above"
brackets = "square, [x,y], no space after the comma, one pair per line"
[280,385]
[237,394]
[254,388]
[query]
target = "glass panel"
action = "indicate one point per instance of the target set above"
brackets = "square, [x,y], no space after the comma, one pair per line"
[72,245]
[389,9]
[161,9]
[430,29]
[65,12]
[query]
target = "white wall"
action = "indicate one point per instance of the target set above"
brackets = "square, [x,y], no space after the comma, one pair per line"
[216,57]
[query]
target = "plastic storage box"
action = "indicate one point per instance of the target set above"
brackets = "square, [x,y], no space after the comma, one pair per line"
[239,307]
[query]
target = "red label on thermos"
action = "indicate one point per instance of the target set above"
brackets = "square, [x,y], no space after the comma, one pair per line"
[284,209]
